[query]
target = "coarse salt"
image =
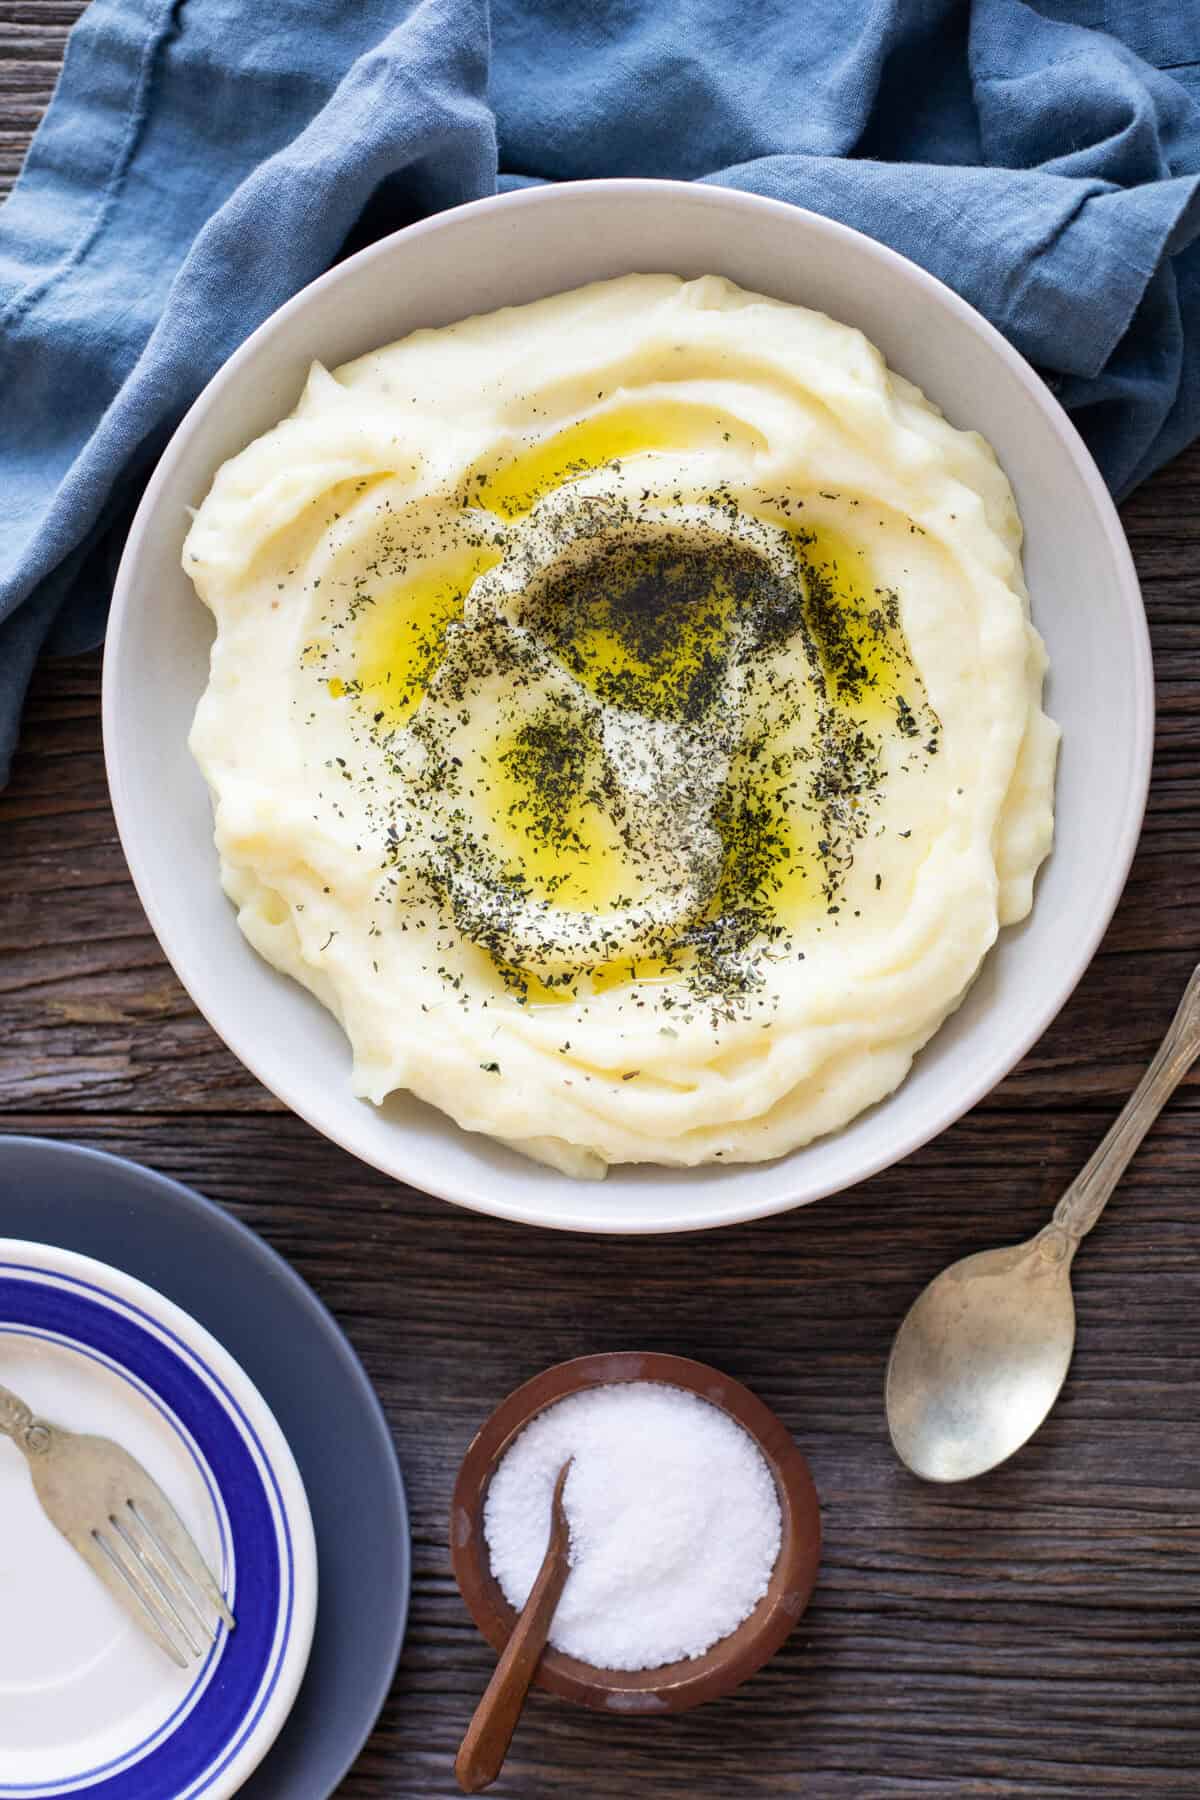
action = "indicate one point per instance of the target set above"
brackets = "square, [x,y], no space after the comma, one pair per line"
[674,1517]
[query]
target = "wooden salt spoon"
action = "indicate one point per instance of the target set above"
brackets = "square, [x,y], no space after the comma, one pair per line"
[485,1746]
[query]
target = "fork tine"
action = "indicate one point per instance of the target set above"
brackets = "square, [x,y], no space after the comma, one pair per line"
[158,1518]
[168,1592]
[146,1546]
[129,1592]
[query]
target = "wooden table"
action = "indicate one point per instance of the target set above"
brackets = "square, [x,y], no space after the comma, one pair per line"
[1034,1633]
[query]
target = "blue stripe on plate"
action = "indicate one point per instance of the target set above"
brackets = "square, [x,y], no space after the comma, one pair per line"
[189,1761]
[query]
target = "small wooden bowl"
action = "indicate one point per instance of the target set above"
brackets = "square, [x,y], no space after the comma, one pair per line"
[674,1687]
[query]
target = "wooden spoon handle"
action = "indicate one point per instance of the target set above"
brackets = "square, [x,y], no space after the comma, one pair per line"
[489,1734]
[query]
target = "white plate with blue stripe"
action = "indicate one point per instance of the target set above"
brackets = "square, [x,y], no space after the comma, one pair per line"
[88,1705]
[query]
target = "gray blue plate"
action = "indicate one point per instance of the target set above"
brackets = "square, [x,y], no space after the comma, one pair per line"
[276,1328]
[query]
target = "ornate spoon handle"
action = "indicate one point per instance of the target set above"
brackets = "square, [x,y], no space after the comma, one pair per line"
[18,1422]
[1089,1193]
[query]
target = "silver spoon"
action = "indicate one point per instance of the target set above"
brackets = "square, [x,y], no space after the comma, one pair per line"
[981,1355]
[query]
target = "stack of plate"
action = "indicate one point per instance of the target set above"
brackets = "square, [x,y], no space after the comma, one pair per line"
[134,1309]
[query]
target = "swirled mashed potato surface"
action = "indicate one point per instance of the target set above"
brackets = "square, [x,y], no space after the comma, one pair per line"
[625,717]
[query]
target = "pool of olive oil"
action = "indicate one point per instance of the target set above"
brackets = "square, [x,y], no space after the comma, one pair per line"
[399,638]
[511,484]
[583,865]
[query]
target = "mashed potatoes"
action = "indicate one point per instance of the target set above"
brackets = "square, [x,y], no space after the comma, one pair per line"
[625,717]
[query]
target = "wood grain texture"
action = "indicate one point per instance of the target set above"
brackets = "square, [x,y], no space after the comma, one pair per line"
[1031,1634]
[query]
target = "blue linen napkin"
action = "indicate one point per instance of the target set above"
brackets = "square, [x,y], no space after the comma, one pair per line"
[203,159]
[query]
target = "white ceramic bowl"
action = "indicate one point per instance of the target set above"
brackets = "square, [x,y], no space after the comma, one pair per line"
[513,249]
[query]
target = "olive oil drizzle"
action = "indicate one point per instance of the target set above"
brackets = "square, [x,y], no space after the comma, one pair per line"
[655,629]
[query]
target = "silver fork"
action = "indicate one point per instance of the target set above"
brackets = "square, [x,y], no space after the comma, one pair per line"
[125,1529]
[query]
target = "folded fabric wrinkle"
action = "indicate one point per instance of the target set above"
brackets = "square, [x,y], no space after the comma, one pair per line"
[203,159]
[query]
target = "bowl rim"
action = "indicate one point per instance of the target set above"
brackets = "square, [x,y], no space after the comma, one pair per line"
[476,1193]
[670,1687]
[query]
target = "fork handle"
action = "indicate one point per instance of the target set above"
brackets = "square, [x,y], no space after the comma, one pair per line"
[17,1421]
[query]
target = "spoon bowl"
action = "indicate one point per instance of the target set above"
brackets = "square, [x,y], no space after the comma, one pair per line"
[979,1360]
[981,1355]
